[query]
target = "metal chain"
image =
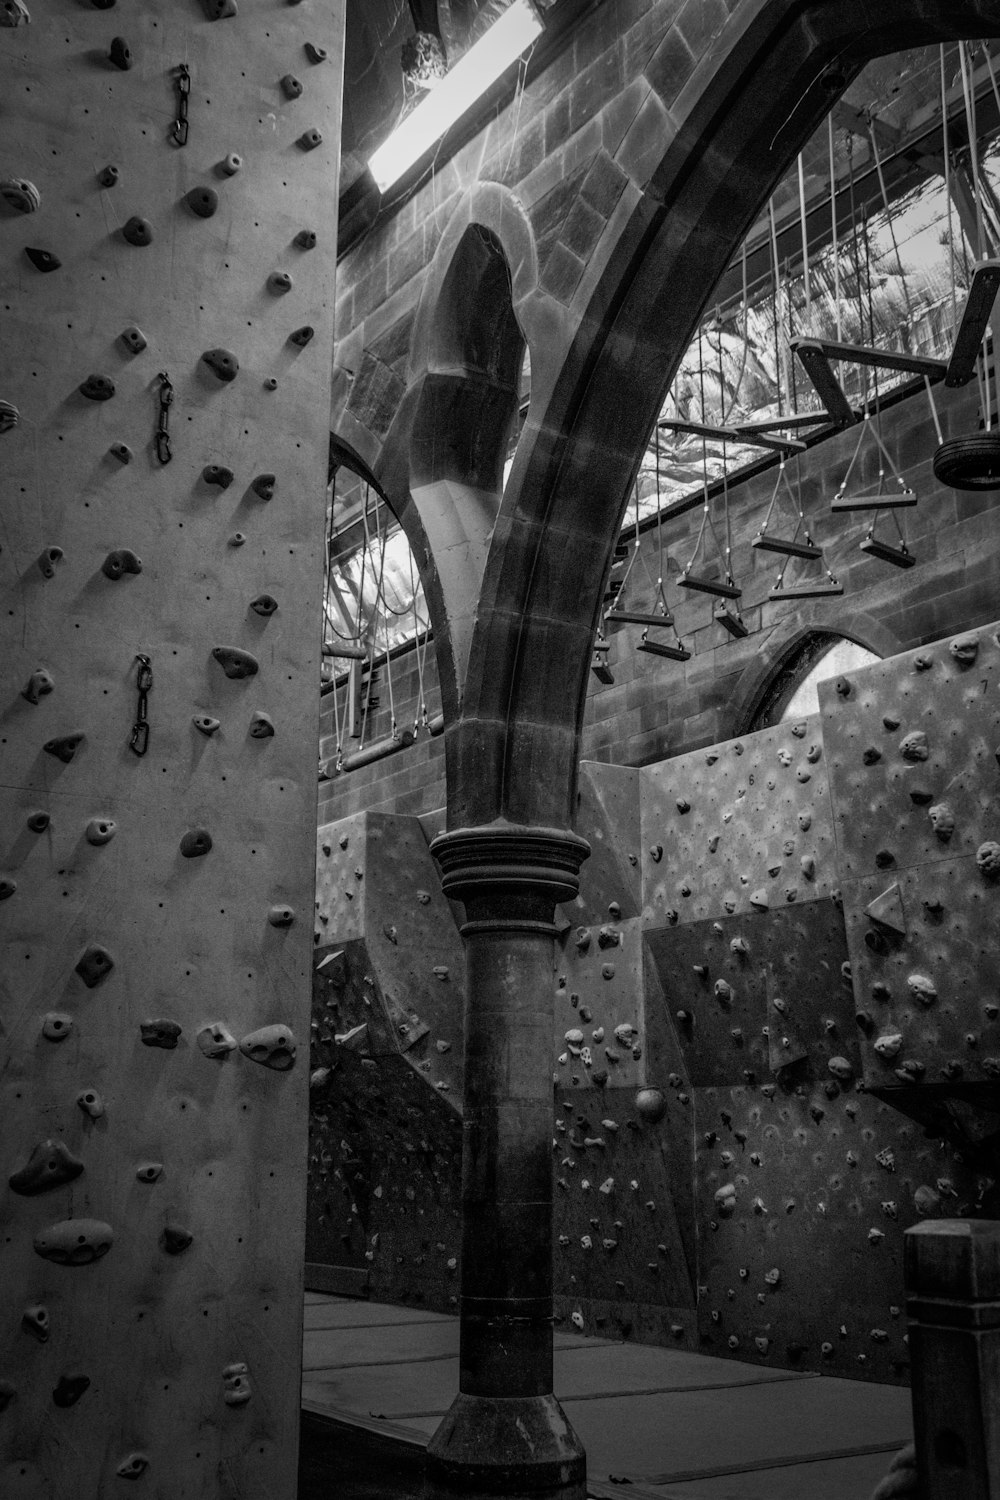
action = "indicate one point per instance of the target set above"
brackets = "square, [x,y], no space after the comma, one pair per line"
[179,129]
[139,740]
[166,398]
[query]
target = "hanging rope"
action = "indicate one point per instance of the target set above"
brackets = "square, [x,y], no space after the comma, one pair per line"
[805,248]
[775,318]
[889,218]
[946,152]
[833,231]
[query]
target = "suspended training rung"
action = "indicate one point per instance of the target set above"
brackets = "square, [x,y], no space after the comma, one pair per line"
[898,556]
[709,586]
[634,617]
[602,671]
[759,439]
[350,653]
[808,550]
[675,653]
[874,502]
[880,359]
[793,419]
[377,750]
[740,434]
[806,591]
[733,623]
[977,313]
[817,367]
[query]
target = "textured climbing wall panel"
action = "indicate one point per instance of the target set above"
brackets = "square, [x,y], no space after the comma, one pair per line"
[388,953]
[916,789]
[753,995]
[385,1178]
[599,1006]
[803,1197]
[740,827]
[607,816]
[159,504]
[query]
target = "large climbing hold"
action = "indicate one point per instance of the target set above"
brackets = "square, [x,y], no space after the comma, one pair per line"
[271,1046]
[235,662]
[94,965]
[74,1242]
[50,1164]
[20,194]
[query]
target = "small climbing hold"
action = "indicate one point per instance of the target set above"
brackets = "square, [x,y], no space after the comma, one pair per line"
[759,900]
[315,54]
[122,452]
[234,662]
[175,1239]
[740,946]
[136,1464]
[222,363]
[42,260]
[137,231]
[261,726]
[9,416]
[270,1046]
[20,194]
[813,754]
[202,201]
[889,1045]
[120,54]
[205,723]
[195,843]
[807,864]
[656,853]
[109,176]
[926,1200]
[236,1385]
[216,1041]
[942,820]
[237,539]
[843,687]
[922,988]
[97,388]
[46,560]
[91,1103]
[280,916]
[94,965]
[306,239]
[279,282]
[220,10]
[988,859]
[725,1199]
[56,1026]
[36,1321]
[13,13]
[69,1389]
[120,562]
[149,1171]
[50,1164]
[291,87]
[914,746]
[871,756]
[310,139]
[264,486]
[841,1068]
[39,821]
[74,1242]
[264,605]
[159,1033]
[964,649]
[100,831]
[723,990]
[607,971]
[302,336]
[38,685]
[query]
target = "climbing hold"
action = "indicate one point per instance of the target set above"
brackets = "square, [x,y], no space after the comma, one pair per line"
[174,1239]
[306,239]
[871,756]
[926,1200]
[237,539]
[13,13]
[280,916]
[739,945]
[222,362]
[109,176]
[988,859]
[887,910]
[942,820]
[840,1068]
[231,164]
[216,1041]
[122,452]
[159,1033]
[264,486]
[74,1242]
[261,726]
[884,858]
[91,1103]
[20,194]
[36,1321]
[137,231]
[56,1026]
[39,821]
[50,1165]
[279,282]
[914,747]
[813,754]
[46,560]
[725,1199]
[315,54]
[964,649]
[202,201]
[69,1389]
[264,604]
[101,830]
[271,1046]
[38,685]
[119,562]
[301,336]
[7,888]
[236,1385]
[843,687]
[889,1045]
[42,260]
[922,988]
[650,1104]
[133,338]
[310,139]
[291,87]
[94,965]
[195,843]
[9,416]
[205,723]
[220,10]
[218,475]
[136,1464]
[759,900]
[150,1171]
[234,662]
[807,864]
[120,54]
[97,388]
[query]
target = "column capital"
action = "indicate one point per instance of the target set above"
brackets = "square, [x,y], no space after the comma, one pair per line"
[509,877]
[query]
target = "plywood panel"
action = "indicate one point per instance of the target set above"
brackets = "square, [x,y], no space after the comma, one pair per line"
[180,1144]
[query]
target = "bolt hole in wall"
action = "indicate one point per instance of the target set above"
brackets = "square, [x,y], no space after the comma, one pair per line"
[736,933]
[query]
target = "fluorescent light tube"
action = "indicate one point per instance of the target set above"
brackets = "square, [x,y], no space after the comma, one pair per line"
[456,92]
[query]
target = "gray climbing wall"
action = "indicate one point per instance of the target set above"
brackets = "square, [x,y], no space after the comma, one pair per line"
[155,932]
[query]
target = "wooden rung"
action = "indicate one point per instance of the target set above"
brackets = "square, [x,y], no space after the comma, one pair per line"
[709,586]
[339,650]
[828,387]
[732,622]
[741,434]
[806,591]
[975,316]
[880,359]
[675,653]
[634,617]
[602,672]
[794,419]
[874,502]
[808,550]
[898,556]
[758,439]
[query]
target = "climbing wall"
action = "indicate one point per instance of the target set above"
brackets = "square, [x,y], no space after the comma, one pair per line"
[384,1212]
[167,224]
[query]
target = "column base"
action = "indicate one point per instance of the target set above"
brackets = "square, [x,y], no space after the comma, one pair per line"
[514,1447]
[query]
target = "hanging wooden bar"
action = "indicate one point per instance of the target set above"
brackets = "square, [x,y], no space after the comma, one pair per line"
[338,649]
[975,317]
[808,550]
[716,586]
[817,367]
[635,617]
[656,648]
[733,623]
[879,359]
[738,434]
[874,502]
[377,750]
[806,591]
[778,424]
[900,557]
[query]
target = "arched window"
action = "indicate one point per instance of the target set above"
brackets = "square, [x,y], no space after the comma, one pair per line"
[792,691]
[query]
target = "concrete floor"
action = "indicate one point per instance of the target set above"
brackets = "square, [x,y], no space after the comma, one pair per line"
[665,1422]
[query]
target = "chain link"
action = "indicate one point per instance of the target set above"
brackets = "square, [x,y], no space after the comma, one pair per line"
[139,740]
[179,129]
[166,399]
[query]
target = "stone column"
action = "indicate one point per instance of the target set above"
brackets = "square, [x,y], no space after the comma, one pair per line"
[953,1303]
[505,1434]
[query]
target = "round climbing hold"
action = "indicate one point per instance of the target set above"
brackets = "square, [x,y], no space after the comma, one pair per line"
[7,888]
[20,194]
[119,562]
[133,338]
[969,463]
[302,336]
[205,723]
[202,201]
[310,139]
[122,452]
[109,176]
[39,821]
[231,164]
[98,388]
[650,1104]
[264,486]
[56,1026]
[137,231]
[196,842]
[42,260]
[120,54]
[218,476]
[306,239]
[261,726]
[281,916]
[101,831]
[279,282]
[264,604]
[222,362]
[291,87]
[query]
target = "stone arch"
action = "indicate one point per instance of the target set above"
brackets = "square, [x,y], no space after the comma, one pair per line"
[765,80]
